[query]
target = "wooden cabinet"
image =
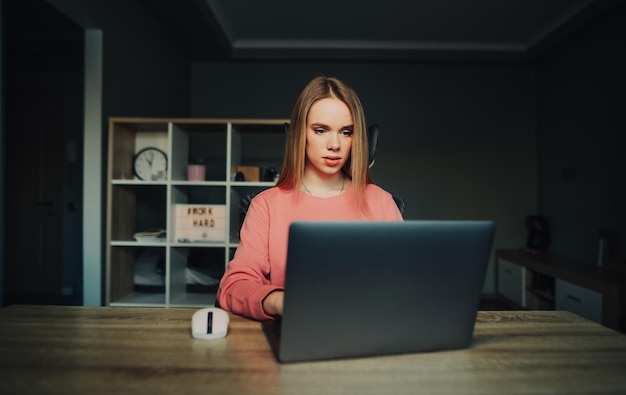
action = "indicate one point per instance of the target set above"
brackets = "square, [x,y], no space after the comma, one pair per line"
[170,271]
[549,282]
[579,300]
[512,284]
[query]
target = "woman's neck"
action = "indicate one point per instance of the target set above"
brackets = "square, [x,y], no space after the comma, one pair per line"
[317,186]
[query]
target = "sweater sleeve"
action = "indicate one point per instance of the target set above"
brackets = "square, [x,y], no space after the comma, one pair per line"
[246,283]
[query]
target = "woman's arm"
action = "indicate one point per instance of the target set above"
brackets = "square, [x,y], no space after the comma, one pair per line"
[245,284]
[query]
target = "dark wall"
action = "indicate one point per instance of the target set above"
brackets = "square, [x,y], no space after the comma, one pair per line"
[2,159]
[581,138]
[145,73]
[457,140]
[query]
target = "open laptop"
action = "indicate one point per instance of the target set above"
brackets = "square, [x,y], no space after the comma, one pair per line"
[358,289]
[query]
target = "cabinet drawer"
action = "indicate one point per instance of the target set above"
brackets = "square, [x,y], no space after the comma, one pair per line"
[511,282]
[578,300]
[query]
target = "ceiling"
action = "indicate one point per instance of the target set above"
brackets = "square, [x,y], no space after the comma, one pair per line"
[39,35]
[402,30]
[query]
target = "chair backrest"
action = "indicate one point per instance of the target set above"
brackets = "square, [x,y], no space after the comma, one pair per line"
[373,133]
[399,202]
[372,137]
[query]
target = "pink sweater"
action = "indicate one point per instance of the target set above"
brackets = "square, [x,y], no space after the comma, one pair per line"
[258,267]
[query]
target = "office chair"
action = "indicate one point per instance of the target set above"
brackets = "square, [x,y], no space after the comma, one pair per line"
[372,134]
[399,202]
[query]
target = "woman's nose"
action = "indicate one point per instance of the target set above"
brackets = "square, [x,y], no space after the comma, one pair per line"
[333,141]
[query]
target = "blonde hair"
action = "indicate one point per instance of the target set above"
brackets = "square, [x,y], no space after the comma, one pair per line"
[357,167]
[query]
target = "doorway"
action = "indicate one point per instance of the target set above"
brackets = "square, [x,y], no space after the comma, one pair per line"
[43,138]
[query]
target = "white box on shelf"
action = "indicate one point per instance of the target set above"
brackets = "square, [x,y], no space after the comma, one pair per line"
[200,222]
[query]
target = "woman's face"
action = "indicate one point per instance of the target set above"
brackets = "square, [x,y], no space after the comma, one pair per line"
[328,136]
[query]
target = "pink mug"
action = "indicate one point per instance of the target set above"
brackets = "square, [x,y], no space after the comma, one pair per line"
[196,172]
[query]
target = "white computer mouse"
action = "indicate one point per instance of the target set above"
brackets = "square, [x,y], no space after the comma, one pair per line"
[209,323]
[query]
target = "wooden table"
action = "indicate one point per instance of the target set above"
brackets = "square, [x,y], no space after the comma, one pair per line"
[89,350]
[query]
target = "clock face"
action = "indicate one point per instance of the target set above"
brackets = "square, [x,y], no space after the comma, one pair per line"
[150,164]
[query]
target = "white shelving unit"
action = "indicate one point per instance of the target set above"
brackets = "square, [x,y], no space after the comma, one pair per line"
[135,205]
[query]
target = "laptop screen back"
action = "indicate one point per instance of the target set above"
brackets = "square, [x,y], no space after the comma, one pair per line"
[357,289]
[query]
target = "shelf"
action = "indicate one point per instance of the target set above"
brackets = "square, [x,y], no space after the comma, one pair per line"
[135,205]
[137,182]
[140,299]
[133,243]
[194,300]
[197,244]
[200,183]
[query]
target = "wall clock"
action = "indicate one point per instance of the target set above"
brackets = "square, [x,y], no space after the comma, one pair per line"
[150,163]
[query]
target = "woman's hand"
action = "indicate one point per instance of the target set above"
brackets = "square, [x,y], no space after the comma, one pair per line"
[273,303]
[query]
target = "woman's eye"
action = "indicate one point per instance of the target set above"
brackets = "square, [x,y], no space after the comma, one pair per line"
[346,132]
[319,130]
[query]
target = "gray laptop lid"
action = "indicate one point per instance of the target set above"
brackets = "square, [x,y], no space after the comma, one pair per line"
[356,289]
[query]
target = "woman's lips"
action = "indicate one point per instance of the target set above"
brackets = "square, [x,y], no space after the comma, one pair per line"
[332,160]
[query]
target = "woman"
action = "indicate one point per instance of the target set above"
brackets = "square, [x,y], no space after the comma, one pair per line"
[325,176]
